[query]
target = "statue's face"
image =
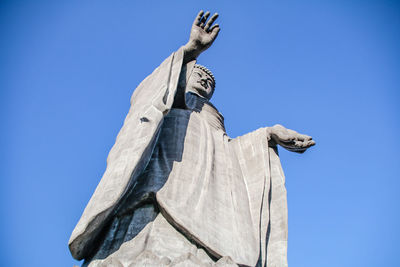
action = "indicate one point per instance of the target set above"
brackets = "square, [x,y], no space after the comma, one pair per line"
[200,83]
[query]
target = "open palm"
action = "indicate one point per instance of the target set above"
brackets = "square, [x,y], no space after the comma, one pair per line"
[202,34]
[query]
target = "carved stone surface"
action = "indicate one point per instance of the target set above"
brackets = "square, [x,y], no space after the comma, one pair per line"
[178,191]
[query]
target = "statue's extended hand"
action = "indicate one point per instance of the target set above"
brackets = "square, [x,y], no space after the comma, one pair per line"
[202,35]
[289,139]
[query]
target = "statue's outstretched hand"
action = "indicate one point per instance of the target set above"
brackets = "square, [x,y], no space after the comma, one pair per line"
[202,35]
[289,139]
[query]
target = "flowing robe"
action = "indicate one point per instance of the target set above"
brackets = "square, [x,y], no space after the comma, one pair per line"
[225,195]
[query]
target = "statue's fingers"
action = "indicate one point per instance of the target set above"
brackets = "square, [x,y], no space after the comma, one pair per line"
[198,18]
[306,137]
[214,31]
[303,137]
[299,143]
[305,144]
[204,19]
[310,143]
[210,22]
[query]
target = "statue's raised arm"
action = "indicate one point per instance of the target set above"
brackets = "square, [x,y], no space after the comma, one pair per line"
[202,35]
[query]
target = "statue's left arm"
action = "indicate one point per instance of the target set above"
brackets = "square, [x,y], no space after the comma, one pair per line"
[288,139]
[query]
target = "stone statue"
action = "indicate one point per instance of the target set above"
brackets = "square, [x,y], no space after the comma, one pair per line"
[177,190]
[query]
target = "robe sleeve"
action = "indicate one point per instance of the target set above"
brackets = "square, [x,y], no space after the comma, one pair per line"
[150,102]
[265,182]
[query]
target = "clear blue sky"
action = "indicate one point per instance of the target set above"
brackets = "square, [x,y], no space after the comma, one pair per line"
[330,69]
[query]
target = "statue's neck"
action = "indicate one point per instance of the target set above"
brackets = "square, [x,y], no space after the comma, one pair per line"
[203,106]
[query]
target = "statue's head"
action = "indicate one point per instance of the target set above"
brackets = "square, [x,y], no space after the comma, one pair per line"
[201,82]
